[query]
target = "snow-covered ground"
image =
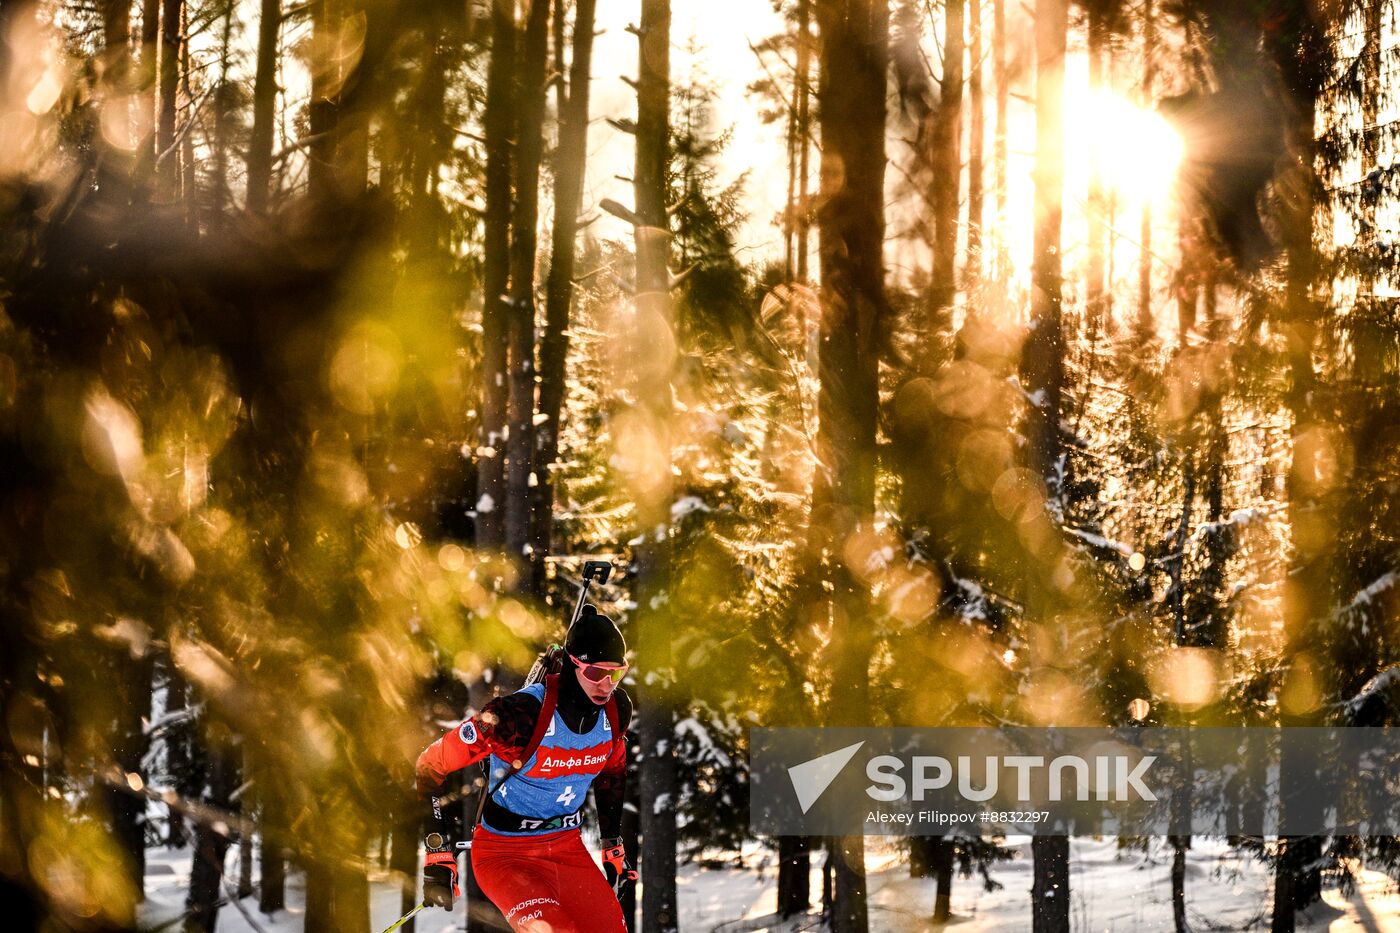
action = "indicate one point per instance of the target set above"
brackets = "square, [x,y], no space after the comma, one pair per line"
[1112,890]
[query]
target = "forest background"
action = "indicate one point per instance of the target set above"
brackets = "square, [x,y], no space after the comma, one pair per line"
[1061,390]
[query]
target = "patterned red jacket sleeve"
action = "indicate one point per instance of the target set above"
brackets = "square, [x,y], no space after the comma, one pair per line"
[502,728]
[617,761]
[610,787]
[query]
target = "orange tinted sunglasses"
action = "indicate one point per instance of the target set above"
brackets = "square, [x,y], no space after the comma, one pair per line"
[597,673]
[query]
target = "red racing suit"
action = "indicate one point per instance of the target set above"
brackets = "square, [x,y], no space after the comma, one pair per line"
[541,877]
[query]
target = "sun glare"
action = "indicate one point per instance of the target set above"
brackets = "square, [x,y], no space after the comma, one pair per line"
[1137,150]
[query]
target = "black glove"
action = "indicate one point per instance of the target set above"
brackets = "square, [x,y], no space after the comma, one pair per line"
[616,868]
[440,873]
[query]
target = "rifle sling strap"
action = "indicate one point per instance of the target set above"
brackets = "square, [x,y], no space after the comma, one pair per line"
[551,700]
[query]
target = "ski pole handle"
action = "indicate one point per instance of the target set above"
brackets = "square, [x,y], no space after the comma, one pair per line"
[599,569]
[617,869]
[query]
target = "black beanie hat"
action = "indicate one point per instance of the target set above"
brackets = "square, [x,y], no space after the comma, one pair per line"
[595,639]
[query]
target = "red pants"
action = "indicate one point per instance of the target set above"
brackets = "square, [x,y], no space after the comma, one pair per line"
[545,884]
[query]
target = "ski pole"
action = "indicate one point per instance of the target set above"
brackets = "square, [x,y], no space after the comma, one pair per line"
[405,918]
[466,846]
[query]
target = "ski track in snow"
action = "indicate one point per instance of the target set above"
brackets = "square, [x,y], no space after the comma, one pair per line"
[1112,891]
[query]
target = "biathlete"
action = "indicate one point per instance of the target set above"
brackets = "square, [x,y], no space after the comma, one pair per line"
[547,744]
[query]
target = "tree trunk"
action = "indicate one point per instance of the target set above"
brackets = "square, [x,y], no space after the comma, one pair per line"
[272,867]
[403,858]
[947,198]
[559,62]
[272,827]
[1308,596]
[559,288]
[828,881]
[1180,816]
[264,107]
[1180,844]
[1282,918]
[854,61]
[921,856]
[148,79]
[943,877]
[1213,629]
[804,132]
[116,38]
[658,795]
[210,846]
[1187,279]
[1146,325]
[342,92]
[1050,884]
[631,827]
[245,855]
[1371,130]
[321,110]
[167,161]
[497,122]
[977,133]
[356,88]
[1371,83]
[1176,598]
[177,753]
[1042,360]
[1002,77]
[224,105]
[188,187]
[428,149]
[116,58]
[317,899]
[1042,375]
[1097,212]
[133,690]
[337,898]
[654,362]
[794,876]
[946,164]
[790,210]
[520,326]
